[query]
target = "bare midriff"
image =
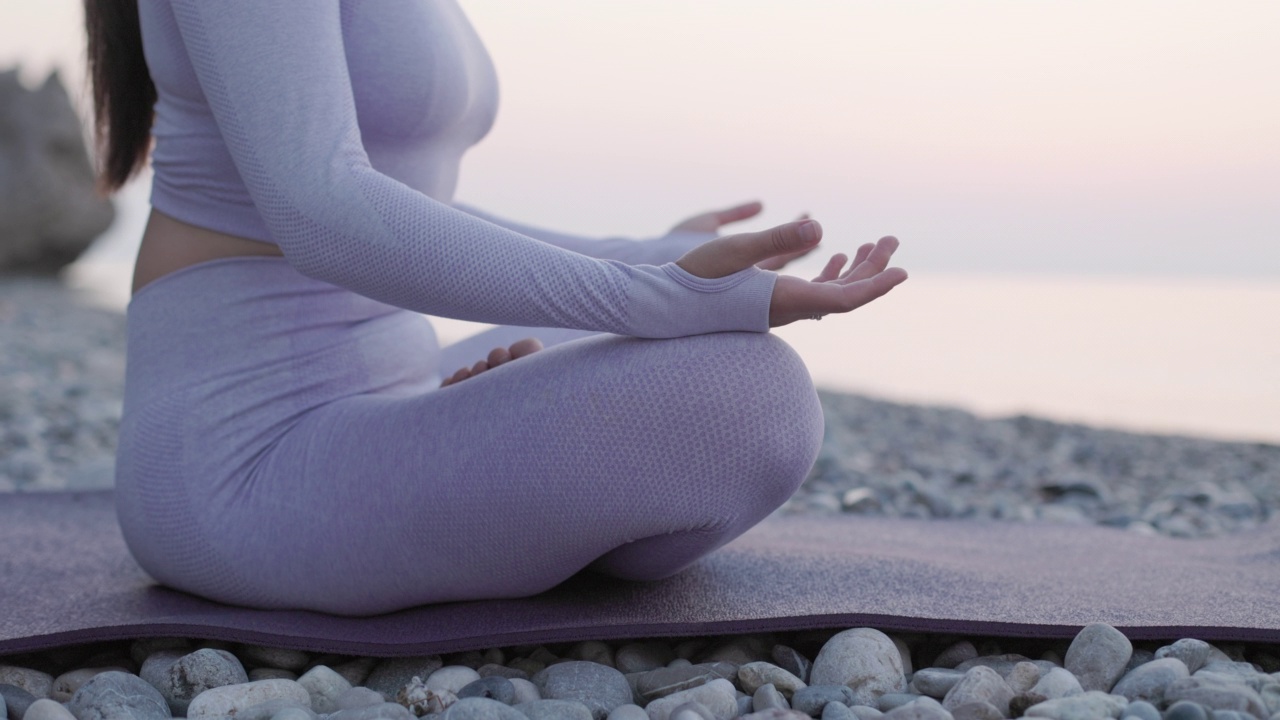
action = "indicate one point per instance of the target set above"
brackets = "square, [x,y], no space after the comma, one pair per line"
[168,245]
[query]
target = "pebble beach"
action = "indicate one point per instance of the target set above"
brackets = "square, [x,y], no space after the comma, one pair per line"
[61,381]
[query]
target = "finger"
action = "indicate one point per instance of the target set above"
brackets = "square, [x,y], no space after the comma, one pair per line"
[498,356]
[864,291]
[738,212]
[877,260]
[832,270]
[524,347]
[861,256]
[781,261]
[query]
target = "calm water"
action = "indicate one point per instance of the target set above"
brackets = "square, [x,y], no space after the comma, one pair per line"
[1192,356]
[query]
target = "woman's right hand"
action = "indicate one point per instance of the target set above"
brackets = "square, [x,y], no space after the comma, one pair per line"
[832,291]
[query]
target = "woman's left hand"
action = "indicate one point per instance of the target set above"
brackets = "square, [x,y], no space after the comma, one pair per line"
[713,220]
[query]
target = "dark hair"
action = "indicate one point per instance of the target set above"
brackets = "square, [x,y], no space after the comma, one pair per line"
[124,96]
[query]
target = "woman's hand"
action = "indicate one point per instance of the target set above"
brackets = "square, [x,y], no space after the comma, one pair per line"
[713,220]
[832,291]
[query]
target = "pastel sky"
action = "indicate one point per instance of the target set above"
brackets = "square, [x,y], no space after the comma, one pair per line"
[1092,136]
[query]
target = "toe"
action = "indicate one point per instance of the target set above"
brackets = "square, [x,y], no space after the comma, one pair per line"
[498,355]
[528,346]
[479,367]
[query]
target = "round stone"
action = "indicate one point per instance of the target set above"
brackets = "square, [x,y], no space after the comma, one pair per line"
[381,711]
[1141,710]
[324,685]
[494,688]
[1148,681]
[274,657]
[1193,653]
[772,714]
[754,675]
[977,711]
[812,699]
[889,701]
[1098,656]
[39,684]
[1185,710]
[918,711]
[231,699]
[935,682]
[628,712]
[66,684]
[792,661]
[690,711]
[15,699]
[481,709]
[651,685]
[451,678]
[643,656]
[47,709]
[767,696]
[1023,677]
[358,697]
[956,654]
[593,651]
[389,676]
[1057,683]
[718,697]
[1089,704]
[863,659]
[599,687]
[116,694]
[839,711]
[270,673]
[1218,695]
[192,674]
[980,684]
[861,712]
[554,710]
[525,691]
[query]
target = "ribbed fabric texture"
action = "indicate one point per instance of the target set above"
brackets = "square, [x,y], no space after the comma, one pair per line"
[284,446]
[259,134]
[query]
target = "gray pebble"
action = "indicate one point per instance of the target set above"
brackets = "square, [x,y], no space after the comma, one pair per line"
[1140,657]
[1230,715]
[113,694]
[746,704]
[495,670]
[381,711]
[1057,683]
[756,674]
[1217,695]
[294,713]
[494,688]
[324,685]
[525,691]
[791,661]
[593,651]
[196,672]
[862,712]
[935,682]
[739,650]
[451,678]
[39,684]
[66,684]
[980,684]
[1003,664]
[358,697]
[480,709]
[1141,710]
[599,687]
[812,699]
[389,676]
[269,709]
[355,671]
[270,673]
[1098,656]
[864,659]
[904,652]
[230,699]
[1231,668]
[1185,710]
[651,685]
[643,656]
[690,711]
[1023,677]
[679,663]
[919,711]
[773,714]
[554,710]
[1148,682]
[16,700]
[1193,653]
[767,696]
[629,711]
[1091,703]
[274,657]
[155,667]
[977,711]
[838,711]
[717,696]
[889,701]
[956,654]
[47,709]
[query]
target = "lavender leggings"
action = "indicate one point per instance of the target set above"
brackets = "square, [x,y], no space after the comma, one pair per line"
[284,445]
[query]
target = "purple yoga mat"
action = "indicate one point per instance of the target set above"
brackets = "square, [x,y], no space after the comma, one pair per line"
[66,578]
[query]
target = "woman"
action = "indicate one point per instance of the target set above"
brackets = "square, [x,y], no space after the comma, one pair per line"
[286,441]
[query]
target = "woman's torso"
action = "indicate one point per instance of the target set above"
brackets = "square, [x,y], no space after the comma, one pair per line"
[424,91]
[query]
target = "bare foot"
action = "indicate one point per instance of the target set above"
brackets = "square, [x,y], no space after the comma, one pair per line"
[497,356]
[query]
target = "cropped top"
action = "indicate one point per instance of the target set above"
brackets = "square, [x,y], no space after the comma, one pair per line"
[334,129]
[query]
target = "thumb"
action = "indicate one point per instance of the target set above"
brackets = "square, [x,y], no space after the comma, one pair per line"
[731,253]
